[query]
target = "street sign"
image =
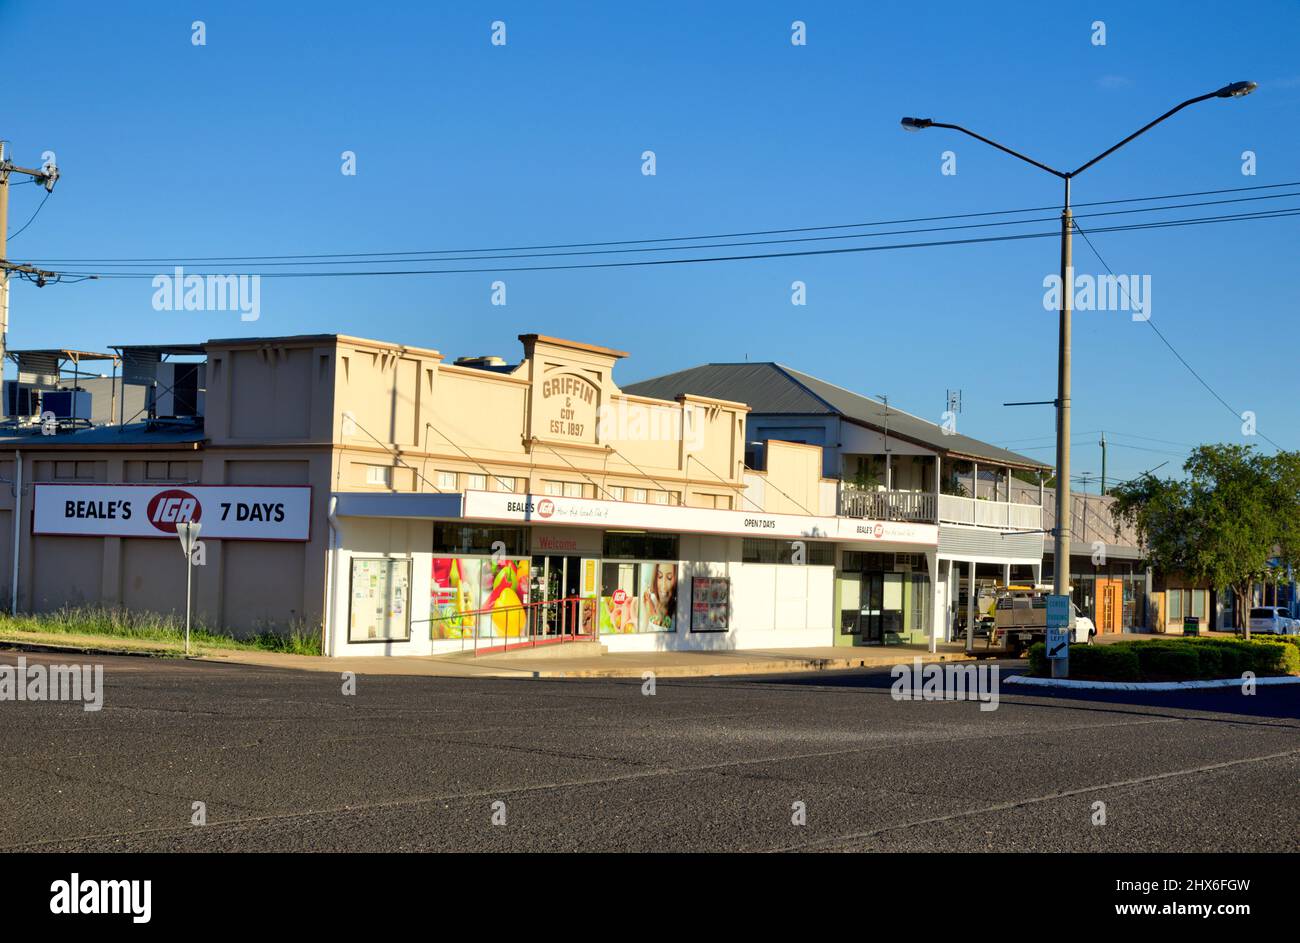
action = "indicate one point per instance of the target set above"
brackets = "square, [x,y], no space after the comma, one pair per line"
[188,532]
[1058,626]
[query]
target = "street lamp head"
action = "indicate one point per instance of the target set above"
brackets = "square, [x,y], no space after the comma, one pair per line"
[1236,90]
[915,124]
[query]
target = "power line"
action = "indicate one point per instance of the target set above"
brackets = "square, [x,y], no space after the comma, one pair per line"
[1269,214]
[32,218]
[1109,432]
[729,245]
[1165,341]
[346,256]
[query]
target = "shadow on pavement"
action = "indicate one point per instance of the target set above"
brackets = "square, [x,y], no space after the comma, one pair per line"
[1281,701]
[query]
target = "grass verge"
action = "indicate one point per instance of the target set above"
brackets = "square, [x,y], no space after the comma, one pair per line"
[141,630]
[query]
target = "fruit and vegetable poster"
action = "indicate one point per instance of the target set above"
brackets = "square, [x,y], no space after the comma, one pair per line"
[379,608]
[466,589]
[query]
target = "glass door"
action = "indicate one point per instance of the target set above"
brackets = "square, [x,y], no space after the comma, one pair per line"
[872,606]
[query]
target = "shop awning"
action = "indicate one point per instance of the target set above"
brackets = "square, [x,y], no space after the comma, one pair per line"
[501,507]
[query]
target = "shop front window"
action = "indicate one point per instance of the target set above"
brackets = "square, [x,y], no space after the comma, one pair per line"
[794,552]
[632,546]
[1174,606]
[637,596]
[475,539]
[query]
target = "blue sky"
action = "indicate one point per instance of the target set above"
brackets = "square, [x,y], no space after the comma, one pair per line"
[233,148]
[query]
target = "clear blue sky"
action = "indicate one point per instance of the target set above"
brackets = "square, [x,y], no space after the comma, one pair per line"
[233,148]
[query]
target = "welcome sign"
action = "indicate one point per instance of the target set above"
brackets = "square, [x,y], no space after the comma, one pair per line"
[225,512]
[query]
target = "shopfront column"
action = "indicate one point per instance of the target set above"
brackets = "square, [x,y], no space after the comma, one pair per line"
[970,607]
[936,620]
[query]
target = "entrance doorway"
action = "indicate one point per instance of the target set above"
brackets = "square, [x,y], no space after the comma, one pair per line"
[880,611]
[556,578]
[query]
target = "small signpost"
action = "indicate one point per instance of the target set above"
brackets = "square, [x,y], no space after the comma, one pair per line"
[1058,635]
[188,532]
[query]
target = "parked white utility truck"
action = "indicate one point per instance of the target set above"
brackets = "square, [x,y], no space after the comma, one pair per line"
[1020,620]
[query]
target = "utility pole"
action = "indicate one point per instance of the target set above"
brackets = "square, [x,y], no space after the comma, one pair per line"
[47,177]
[4,271]
[1103,461]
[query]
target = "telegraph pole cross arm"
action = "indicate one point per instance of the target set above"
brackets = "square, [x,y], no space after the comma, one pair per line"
[46,176]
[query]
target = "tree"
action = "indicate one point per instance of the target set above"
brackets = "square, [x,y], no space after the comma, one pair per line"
[1232,520]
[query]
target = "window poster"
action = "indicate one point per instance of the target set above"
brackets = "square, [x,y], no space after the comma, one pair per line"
[506,588]
[469,591]
[379,606]
[453,596]
[710,603]
[658,597]
[638,597]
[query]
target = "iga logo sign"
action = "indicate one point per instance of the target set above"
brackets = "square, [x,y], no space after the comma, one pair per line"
[228,512]
[545,507]
[169,508]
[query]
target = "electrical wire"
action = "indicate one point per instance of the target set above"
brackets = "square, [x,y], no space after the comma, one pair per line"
[730,245]
[1268,214]
[40,206]
[1166,342]
[344,256]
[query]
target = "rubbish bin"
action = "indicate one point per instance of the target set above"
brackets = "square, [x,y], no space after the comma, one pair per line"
[1191,625]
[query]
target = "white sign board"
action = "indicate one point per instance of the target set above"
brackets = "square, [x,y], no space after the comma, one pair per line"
[227,512]
[538,509]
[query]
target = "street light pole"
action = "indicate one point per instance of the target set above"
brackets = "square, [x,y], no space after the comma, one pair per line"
[1061,533]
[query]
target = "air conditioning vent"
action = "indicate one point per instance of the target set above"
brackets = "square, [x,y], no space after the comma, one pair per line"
[22,401]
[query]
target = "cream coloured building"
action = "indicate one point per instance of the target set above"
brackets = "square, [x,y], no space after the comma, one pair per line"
[399,503]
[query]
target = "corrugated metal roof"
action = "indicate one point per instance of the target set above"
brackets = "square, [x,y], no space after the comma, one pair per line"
[775,388]
[762,386]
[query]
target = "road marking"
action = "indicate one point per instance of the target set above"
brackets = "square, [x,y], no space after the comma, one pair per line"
[1019,803]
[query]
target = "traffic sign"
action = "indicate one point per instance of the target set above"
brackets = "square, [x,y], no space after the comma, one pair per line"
[188,532]
[1058,626]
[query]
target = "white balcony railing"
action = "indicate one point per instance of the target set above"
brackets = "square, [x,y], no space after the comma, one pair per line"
[954,509]
[887,505]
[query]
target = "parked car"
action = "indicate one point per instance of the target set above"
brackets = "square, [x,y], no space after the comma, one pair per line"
[1272,620]
[1084,630]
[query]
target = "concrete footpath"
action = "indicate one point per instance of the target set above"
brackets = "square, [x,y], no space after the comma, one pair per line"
[553,663]
[664,664]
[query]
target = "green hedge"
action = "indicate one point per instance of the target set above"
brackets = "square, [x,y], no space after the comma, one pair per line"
[1176,659]
[1117,662]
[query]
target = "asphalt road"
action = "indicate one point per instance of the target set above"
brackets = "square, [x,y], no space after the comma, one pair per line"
[286,761]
